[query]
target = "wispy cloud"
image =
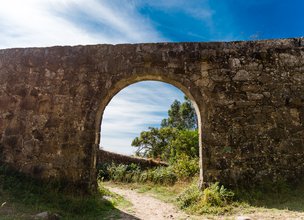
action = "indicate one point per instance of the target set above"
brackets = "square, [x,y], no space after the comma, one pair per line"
[198,9]
[133,110]
[192,20]
[69,22]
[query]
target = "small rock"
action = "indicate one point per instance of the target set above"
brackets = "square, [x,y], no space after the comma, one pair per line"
[242,75]
[243,218]
[267,94]
[234,63]
[254,96]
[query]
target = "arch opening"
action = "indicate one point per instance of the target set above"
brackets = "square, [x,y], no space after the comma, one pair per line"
[123,84]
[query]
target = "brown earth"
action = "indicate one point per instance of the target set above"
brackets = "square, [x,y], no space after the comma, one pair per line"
[146,207]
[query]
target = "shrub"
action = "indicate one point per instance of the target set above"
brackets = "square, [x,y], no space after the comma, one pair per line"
[189,196]
[185,167]
[216,195]
[214,199]
[123,173]
[102,172]
[133,173]
[163,175]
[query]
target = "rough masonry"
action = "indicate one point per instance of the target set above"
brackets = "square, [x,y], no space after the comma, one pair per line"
[106,157]
[249,98]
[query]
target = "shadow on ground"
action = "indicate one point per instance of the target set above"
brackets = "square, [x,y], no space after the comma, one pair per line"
[10,209]
[22,197]
[287,197]
[126,216]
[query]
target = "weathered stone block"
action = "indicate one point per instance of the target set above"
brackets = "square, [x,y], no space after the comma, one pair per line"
[254,96]
[242,75]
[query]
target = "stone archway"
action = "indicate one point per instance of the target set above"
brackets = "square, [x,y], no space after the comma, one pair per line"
[249,96]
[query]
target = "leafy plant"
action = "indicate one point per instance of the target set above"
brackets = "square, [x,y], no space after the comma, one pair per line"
[214,199]
[185,167]
[133,173]
[189,196]
[216,195]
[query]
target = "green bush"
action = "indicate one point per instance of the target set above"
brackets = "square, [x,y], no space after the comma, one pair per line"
[216,195]
[215,199]
[102,172]
[189,196]
[185,167]
[163,175]
[123,173]
[133,173]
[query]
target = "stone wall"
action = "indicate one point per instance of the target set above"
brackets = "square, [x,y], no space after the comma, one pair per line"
[249,98]
[106,157]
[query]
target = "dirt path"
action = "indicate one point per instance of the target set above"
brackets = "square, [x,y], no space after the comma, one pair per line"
[148,208]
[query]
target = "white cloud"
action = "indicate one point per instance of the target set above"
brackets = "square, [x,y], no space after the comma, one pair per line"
[52,22]
[132,110]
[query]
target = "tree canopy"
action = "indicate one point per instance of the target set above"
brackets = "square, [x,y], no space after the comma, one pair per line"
[176,136]
[181,116]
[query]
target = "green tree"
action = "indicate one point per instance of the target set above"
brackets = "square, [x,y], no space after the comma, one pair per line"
[155,143]
[176,136]
[185,142]
[181,116]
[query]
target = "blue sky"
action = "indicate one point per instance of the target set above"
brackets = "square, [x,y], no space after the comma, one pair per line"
[38,23]
[133,110]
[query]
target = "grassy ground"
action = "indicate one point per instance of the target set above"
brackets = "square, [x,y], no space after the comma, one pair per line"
[164,193]
[22,198]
